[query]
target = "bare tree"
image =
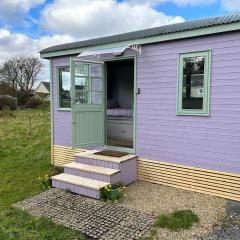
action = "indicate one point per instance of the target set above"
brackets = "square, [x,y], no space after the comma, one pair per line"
[21,73]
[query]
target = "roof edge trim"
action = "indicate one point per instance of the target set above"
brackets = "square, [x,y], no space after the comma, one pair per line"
[160,38]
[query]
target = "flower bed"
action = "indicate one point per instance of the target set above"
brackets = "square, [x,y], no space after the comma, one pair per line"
[112,193]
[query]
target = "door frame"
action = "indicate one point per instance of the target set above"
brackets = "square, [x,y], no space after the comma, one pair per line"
[108,147]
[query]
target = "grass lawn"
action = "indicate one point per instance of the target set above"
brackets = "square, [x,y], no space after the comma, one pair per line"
[24,156]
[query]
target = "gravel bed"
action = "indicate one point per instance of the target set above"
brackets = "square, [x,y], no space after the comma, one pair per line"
[230,229]
[96,219]
[155,199]
[134,216]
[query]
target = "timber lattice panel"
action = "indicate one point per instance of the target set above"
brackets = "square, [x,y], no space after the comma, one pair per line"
[221,184]
[62,155]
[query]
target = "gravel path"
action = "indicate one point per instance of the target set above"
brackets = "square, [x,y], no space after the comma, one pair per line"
[93,218]
[155,199]
[133,217]
[230,229]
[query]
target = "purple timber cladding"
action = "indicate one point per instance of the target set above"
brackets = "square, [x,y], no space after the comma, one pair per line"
[206,142]
[128,171]
[62,120]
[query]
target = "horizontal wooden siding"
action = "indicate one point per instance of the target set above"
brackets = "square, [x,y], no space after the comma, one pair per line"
[205,142]
[62,120]
[221,184]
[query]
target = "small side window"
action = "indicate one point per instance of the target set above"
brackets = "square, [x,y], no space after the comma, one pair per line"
[64,83]
[194,83]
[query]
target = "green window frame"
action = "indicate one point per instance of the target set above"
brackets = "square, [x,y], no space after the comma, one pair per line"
[205,91]
[61,105]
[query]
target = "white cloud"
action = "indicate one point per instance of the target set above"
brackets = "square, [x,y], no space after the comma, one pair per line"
[11,9]
[71,20]
[231,4]
[17,44]
[86,19]
[180,3]
[47,41]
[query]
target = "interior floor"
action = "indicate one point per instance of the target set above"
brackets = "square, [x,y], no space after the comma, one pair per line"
[120,103]
[120,142]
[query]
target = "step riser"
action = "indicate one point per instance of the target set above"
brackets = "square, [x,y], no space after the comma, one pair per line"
[76,189]
[91,175]
[85,179]
[99,163]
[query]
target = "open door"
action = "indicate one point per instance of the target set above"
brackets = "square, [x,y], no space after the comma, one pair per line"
[87,103]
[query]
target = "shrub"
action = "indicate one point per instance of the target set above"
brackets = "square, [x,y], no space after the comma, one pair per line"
[112,193]
[45,104]
[8,102]
[33,102]
[181,219]
[45,181]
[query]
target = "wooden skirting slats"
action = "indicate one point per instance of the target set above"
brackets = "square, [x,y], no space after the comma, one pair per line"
[63,155]
[221,184]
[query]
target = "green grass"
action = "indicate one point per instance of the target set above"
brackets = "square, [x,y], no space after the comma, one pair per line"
[181,219]
[24,156]
[178,220]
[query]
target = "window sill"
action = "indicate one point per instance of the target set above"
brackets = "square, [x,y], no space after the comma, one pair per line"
[64,109]
[193,113]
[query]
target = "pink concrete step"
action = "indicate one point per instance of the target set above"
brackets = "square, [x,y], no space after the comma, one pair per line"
[96,162]
[79,185]
[127,164]
[93,172]
[90,171]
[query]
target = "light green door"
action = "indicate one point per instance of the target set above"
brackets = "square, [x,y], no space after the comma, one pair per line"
[87,104]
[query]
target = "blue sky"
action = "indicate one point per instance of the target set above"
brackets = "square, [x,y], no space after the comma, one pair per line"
[195,12]
[27,26]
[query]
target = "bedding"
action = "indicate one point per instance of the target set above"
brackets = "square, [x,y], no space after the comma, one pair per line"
[119,112]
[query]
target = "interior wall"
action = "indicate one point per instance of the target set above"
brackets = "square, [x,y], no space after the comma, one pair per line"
[120,82]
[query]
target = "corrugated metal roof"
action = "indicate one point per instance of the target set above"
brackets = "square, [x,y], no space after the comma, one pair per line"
[150,32]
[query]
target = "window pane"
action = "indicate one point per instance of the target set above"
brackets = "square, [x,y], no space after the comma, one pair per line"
[64,87]
[81,97]
[96,70]
[96,98]
[96,84]
[81,87]
[81,70]
[193,83]
[81,83]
